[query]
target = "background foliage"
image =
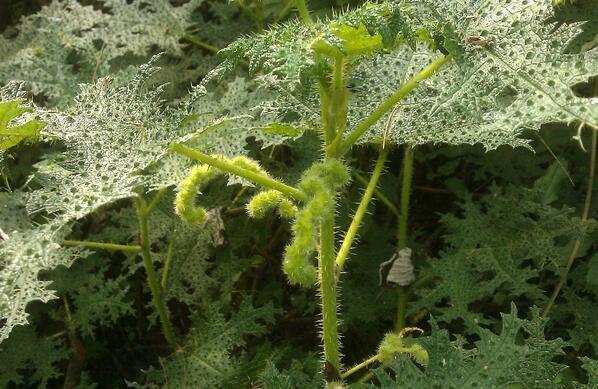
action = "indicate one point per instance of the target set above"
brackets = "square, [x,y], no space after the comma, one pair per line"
[491,226]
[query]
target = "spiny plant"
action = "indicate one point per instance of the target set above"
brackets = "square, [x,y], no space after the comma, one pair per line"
[388,74]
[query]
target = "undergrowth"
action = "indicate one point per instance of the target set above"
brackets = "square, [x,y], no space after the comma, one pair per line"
[254,193]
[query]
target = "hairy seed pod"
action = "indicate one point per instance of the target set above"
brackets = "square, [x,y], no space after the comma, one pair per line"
[297,267]
[262,202]
[320,182]
[198,176]
[395,343]
[184,203]
[287,209]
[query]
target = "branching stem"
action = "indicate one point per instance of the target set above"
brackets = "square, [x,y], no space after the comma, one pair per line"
[223,165]
[584,217]
[388,104]
[343,252]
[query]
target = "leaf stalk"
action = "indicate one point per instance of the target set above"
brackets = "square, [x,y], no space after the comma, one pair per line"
[388,104]
[223,165]
[343,252]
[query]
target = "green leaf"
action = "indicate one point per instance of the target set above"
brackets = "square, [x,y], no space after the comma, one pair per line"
[498,361]
[207,358]
[551,182]
[29,360]
[500,245]
[22,257]
[100,38]
[12,135]
[491,93]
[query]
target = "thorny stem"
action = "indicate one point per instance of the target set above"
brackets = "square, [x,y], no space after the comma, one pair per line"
[360,213]
[152,278]
[388,104]
[102,246]
[332,113]
[584,217]
[338,115]
[379,195]
[258,178]
[328,293]
[402,294]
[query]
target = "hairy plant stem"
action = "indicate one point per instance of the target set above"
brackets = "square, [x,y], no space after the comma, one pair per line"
[402,294]
[360,366]
[338,114]
[343,252]
[152,278]
[387,105]
[584,217]
[379,195]
[102,246]
[328,293]
[332,114]
[225,166]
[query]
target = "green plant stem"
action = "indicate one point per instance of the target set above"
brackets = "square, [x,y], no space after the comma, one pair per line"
[285,11]
[212,49]
[258,178]
[378,194]
[200,43]
[167,262]
[584,217]
[366,377]
[152,277]
[405,196]
[339,91]
[326,258]
[402,294]
[388,104]
[328,292]
[360,366]
[259,14]
[401,307]
[102,246]
[343,252]
[303,12]
[156,200]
